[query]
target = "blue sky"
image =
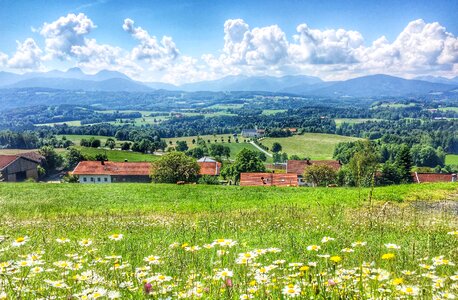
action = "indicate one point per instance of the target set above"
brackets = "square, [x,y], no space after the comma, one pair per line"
[265,40]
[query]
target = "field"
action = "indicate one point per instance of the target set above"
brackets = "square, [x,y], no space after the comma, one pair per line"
[140,241]
[451,159]
[118,155]
[314,145]
[451,108]
[77,138]
[69,123]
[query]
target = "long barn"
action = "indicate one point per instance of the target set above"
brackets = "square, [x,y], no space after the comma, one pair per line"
[14,168]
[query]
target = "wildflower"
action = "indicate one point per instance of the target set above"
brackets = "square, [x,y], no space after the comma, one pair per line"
[392,246]
[313,248]
[152,260]
[397,281]
[358,244]
[85,242]
[62,240]
[116,237]
[347,250]
[336,259]
[20,241]
[113,295]
[409,290]
[455,232]
[246,296]
[223,274]
[291,290]
[327,239]
[388,256]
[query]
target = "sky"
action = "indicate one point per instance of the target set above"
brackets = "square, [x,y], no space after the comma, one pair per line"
[188,41]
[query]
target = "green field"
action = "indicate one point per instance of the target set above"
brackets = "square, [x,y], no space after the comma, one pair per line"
[118,155]
[451,108]
[451,159]
[69,123]
[77,138]
[317,146]
[140,241]
[268,112]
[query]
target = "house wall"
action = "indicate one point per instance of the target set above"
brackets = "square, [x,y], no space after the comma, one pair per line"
[131,178]
[95,179]
[20,167]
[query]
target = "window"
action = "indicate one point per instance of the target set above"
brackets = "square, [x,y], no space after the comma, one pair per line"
[98,179]
[106,179]
[92,179]
[84,179]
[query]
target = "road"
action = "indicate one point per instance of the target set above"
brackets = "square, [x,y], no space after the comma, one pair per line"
[260,149]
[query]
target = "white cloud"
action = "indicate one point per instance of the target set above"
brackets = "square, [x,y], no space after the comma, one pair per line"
[3,59]
[27,56]
[259,47]
[65,33]
[157,54]
[330,46]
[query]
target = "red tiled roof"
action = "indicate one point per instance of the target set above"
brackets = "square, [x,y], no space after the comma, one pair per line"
[431,177]
[5,160]
[210,168]
[298,166]
[112,168]
[268,179]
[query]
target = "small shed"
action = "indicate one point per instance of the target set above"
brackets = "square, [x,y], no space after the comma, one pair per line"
[16,168]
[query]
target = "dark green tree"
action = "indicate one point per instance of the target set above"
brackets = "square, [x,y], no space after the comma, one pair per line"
[174,167]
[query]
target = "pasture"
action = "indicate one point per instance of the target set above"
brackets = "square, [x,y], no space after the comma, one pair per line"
[318,146]
[136,241]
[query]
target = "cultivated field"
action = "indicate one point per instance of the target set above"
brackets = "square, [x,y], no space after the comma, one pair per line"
[119,155]
[314,145]
[140,241]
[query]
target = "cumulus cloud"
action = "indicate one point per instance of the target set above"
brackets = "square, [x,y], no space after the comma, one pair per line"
[157,54]
[420,48]
[325,47]
[258,47]
[65,33]
[3,59]
[27,56]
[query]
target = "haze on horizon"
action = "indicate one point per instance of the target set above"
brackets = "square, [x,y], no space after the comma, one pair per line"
[189,41]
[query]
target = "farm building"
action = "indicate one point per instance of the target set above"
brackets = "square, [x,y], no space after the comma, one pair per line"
[108,171]
[20,167]
[209,166]
[298,167]
[250,133]
[268,179]
[433,177]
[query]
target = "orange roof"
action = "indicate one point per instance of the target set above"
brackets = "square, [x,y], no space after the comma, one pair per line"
[210,168]
[431,177]
[268,179]
[298,166]
[113,168]
[5,160]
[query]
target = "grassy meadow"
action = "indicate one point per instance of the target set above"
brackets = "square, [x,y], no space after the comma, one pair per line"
[317,146]
[451,159]
[119,155]
[136,241]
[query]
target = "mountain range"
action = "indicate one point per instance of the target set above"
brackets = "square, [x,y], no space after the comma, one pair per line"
[366,86]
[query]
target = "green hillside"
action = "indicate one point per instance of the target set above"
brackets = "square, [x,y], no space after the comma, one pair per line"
[317,146]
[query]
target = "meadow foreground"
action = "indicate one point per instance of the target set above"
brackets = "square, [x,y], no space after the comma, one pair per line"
[218,242]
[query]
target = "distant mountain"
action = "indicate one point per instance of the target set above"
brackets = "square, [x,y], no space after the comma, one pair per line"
[377,86]
[438,79]
[254,83]
[161,86]
[112,84]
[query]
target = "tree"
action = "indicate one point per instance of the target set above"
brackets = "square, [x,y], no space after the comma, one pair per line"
[262,156]
[276,147]
[52,160]
[218,150]
[110,143]
[73,157]
[363,165]
[245,161]
[174,167]
[125,146]
[404,164]
[320,175]
[101,157]
[197,152]
[390,174]
[181,146]
[95,143]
